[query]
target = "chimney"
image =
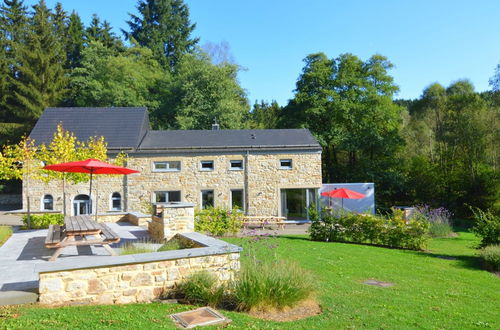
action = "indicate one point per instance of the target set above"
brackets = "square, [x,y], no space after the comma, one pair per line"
[215,126]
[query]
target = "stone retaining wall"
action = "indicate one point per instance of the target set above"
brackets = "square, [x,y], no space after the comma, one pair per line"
[135,278]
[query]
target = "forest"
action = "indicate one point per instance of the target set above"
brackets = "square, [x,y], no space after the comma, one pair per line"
[440,149]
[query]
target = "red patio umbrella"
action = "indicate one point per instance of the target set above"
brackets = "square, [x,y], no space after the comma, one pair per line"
[343,193]
[91,166]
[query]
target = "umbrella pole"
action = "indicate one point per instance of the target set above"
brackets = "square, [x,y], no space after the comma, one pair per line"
[90,192]
[96,198]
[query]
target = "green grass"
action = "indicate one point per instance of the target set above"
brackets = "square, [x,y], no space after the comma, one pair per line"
[5,232]
[429,292]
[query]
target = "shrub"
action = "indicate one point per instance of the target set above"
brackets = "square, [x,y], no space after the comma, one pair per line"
[218,221]
[393,231]
[271,284]
[491,257]
[486,226]
[42,221]
[5,232]
[439,219]
[202,289]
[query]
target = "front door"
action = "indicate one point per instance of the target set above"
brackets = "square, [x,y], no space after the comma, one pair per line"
[81,205]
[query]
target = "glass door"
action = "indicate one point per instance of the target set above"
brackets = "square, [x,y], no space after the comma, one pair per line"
[295,203]
[81,205]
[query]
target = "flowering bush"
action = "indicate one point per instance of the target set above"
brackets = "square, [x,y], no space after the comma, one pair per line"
[491,257]
[393,231]
[217,221]
[439,219]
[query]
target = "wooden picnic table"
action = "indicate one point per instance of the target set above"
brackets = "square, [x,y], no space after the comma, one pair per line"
[90,232]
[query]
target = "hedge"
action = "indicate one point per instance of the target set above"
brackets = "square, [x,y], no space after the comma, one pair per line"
[393,231]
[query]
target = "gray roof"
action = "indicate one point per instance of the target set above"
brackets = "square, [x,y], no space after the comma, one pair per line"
[128,128]
[228,138]
[122,128]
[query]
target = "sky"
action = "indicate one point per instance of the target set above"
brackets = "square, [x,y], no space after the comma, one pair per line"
[427,41]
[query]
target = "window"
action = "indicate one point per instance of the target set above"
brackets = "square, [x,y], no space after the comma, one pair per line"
[236,165]
[48,202]
[207,165]
[207,198]
[237,199]
[167,196]
[286,164]
[167,166]
[116,201]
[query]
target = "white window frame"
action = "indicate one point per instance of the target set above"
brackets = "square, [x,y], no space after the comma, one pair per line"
[207,169]
[166,195]
[43,203]
[286,167]
[167,166]
[111,199]
[231,198]
[236,168]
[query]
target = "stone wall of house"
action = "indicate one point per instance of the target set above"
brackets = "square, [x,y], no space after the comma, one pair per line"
[130,283]
[173,219]
[265,179]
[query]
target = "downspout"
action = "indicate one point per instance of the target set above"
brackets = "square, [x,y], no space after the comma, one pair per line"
[245,182]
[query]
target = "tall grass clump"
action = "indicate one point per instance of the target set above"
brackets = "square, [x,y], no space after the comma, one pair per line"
[131,248]
[202,289]
[439,219]
[491,257]
[271,285]
[5,232]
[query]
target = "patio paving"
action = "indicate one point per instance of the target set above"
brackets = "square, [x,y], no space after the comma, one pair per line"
[26,248]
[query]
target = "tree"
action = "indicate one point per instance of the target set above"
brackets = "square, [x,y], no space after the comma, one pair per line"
[13,26]
[164,27]
[265,115]
[495,80]
[75,41]
[41,77]
[101,32]
[348,106]
[199,93]
[17,162]
[129,78]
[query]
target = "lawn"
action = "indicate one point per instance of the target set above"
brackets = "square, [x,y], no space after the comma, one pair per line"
[5,232]
[429,292]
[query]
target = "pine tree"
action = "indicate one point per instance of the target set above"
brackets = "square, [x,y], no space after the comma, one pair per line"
[13,26]
[164,27]
[41,78]
[75,41]
[103,33]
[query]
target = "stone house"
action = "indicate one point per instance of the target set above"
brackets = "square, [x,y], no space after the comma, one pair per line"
[261,172]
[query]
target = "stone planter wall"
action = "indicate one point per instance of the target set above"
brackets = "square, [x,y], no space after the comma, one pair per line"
[170,220]
[135,278]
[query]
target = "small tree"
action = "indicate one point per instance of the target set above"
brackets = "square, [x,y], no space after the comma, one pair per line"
[17,162]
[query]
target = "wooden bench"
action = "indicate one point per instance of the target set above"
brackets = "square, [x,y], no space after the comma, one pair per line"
[262,221]
[110,236]
[55,235]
